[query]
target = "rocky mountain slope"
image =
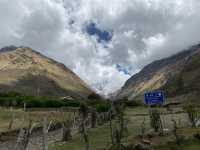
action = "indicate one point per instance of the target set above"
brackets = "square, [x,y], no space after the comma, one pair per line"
[26,71]
[178,76]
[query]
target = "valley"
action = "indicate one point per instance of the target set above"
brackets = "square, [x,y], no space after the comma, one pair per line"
[44,105]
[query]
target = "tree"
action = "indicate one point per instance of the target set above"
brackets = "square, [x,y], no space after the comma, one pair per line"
[121,127]
[83,110]
[155,120]
[66,126]
[94,96]
[93,118]
[193,115]
[174,131]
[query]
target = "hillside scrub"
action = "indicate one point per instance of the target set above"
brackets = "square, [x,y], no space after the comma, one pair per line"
[17,100]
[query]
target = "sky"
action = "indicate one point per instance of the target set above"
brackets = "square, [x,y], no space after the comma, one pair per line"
[104,42]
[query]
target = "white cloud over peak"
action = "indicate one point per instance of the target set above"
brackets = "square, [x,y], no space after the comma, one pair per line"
[142,31]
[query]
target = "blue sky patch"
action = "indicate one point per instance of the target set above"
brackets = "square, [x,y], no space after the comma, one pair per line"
[122,69]
[102,35]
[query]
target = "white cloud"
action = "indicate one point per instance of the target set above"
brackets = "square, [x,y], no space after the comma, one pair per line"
[143,30]
[154,43]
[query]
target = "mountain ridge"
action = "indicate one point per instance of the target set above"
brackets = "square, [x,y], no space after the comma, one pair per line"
[157,74]
[18,64]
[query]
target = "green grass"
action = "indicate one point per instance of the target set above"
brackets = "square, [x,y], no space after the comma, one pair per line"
[35,116]
[99,137]
[191,144]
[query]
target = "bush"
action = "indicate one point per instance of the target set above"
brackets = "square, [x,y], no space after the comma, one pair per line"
[102,107]
[71,103]
[192,112]
[94,96]
[132,103]
[17,100]
[33,103]
[155,120]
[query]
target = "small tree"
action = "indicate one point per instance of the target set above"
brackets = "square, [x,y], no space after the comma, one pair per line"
[12,119]
[111,126]
[67,124]
[174,131]
[94,96]
[66,127]
[93,118]
[121,127]
[155,120]
[143,128]
[83,110]
[193,115]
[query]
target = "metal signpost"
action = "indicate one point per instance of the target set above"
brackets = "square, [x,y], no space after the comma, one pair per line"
[154,98]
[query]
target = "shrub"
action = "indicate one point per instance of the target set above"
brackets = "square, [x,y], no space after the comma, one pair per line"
[94,96]
[155,120]
[192,112]
[71,103]
[17,100]
[102,107]
[132,103]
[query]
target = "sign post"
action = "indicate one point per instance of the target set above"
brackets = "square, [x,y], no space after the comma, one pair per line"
[155,98]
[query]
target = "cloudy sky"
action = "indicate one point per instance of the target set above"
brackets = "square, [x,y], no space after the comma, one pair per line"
[103,41]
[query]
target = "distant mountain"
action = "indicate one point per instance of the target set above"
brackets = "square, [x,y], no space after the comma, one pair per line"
[28,72]
[178,76]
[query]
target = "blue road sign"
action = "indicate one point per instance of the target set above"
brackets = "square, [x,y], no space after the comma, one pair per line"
[154,98]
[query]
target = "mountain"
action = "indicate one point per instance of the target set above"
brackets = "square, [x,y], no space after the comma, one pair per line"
[178,76]
[28,72]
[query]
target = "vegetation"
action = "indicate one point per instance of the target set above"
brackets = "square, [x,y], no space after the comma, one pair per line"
[120,129]
[100,137]
[193,114]
[155,118]
[18,100]
[84,112]
[126,124]
[190,144]
[133,103]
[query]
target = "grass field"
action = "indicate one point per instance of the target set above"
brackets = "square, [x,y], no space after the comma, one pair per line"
[191,144]
[100,137]
[22,118]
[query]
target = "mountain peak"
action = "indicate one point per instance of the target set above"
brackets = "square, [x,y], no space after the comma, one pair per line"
[22,67]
